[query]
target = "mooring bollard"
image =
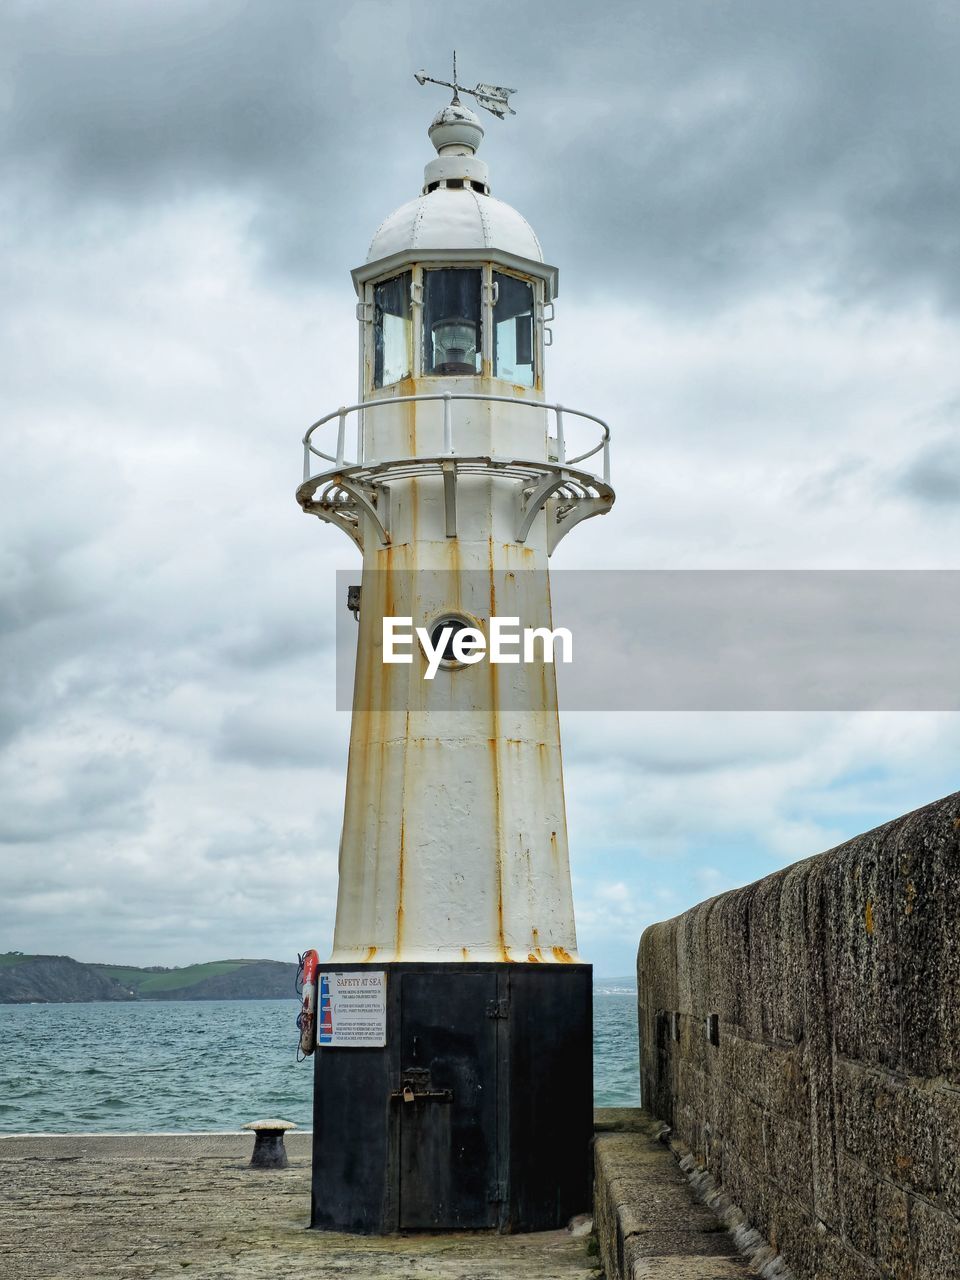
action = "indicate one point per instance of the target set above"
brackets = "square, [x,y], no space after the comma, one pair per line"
[268,1149]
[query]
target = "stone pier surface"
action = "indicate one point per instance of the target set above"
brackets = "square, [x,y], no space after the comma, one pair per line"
[131,1207]
[128,1207]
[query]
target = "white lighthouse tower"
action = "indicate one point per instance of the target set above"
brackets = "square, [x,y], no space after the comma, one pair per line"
[468,1104]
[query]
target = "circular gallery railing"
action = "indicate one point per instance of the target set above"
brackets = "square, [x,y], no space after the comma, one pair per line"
[356,487]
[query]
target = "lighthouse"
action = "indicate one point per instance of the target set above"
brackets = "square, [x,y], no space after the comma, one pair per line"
[453,1072]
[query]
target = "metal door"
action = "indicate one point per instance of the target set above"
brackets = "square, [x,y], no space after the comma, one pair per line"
[447,1101]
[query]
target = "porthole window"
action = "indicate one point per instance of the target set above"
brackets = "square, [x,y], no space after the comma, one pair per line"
[454,624]
[451,322]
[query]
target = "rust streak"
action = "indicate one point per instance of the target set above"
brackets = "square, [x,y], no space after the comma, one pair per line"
[495,763]
[360,764]
[400,889]
[403,849]
[410,413]
[382,769]
[563,956]
[455,578]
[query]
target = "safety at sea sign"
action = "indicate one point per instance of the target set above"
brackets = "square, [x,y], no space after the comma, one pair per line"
[352,1009]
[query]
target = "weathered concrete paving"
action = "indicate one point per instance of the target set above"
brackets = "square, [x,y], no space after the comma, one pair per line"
[648,1223]
[101,1208]
[155,1206]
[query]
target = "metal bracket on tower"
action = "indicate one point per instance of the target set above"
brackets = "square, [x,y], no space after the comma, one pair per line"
[562,516]
[374,503]
[533,500]
[344,501]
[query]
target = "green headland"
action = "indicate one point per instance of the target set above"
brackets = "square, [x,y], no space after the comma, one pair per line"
[43,979]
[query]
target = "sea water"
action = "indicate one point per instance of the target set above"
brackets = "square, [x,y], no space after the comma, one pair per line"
[175,1066]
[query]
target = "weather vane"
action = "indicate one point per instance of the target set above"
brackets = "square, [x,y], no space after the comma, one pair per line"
[492,97]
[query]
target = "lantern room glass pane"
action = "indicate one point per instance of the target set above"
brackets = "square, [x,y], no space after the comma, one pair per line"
[513,330]
[451,322]
[392,331]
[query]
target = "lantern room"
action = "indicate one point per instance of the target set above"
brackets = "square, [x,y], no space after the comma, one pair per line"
[434,314]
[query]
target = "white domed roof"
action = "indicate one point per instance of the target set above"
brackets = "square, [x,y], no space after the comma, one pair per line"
[451,218]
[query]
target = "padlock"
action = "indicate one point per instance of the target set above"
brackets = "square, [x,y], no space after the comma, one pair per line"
[407,1093]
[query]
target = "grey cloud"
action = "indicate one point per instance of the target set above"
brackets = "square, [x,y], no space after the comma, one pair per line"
[654,756]
[934,476]
[834,482]
[164,907]
[130,105]
[278,736]
[101,792]
[34,589]
[246,847]
[54,629]
[273,641]
[765,140]
[139,100]
[692,151]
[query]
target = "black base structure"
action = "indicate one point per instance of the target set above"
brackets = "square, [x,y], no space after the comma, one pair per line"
[477,1114]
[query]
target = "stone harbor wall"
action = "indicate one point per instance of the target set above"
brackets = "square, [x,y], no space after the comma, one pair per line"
[801,1037]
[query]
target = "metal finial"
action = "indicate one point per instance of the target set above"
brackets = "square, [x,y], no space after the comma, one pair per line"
[492,97]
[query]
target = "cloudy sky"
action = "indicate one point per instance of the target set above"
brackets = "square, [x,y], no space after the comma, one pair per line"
[755,209]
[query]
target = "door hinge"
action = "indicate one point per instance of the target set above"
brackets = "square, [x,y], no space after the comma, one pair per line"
[498,1009]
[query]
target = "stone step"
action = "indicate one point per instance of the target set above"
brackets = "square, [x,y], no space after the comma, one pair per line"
[648,1221]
